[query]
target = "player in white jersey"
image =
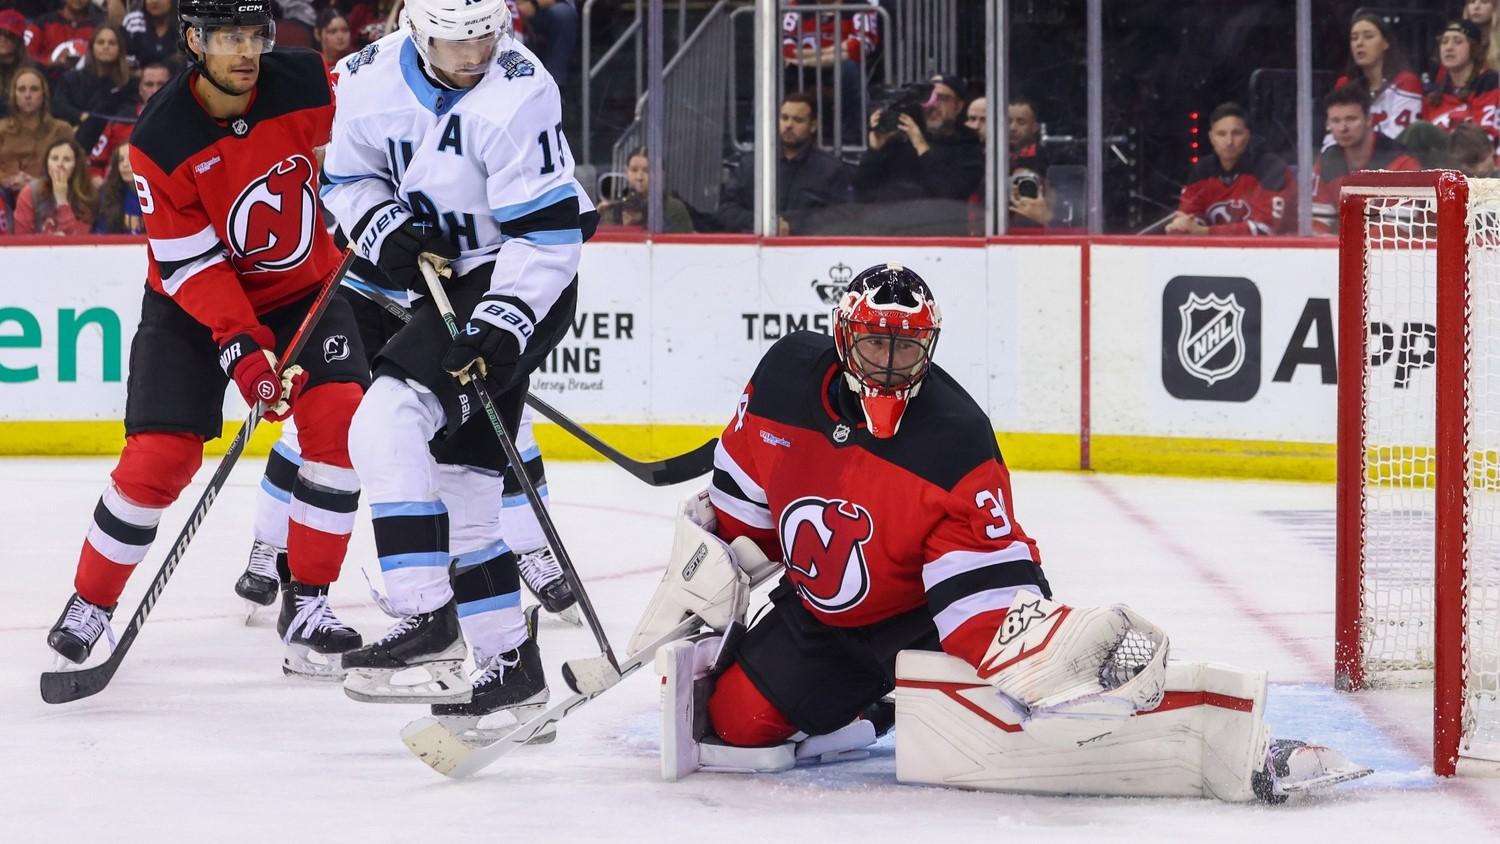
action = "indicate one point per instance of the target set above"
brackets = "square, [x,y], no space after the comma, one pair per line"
[448,146]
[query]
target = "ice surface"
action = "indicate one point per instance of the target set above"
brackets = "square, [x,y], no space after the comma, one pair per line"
[200,737]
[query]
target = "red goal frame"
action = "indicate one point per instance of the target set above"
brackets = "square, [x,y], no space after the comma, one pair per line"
[1451,443]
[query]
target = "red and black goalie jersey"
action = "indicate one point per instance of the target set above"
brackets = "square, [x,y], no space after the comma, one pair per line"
[871,528]
[1251,198]
[231,207]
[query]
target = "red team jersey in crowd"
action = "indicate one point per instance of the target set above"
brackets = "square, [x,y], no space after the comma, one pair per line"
[1477,105]
[231,207]
[55,29]
[1250,199]
[813,31]
[870,528]
[1333,167]
[1394,107]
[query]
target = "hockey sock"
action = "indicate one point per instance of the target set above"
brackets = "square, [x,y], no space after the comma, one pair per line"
[153,470]
[324,499]
[411,539]
[518,522]
[488,588]
[273,502]
[742,716]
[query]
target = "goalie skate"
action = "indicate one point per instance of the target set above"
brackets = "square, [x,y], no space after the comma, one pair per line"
[1296,767]
[419,660]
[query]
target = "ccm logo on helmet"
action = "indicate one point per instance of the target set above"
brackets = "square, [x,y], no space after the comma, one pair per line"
[825,541]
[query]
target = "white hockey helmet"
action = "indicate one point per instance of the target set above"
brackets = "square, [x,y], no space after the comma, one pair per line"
[458,36]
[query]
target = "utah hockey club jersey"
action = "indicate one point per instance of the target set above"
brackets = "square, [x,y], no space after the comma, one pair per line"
[1249,199]
[870,528]
[488,164]
[231,212]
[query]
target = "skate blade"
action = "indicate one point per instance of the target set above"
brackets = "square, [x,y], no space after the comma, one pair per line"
[442,681]
[304,663]
[570,616]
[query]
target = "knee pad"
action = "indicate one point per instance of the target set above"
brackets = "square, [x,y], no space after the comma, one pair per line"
[473,501]
[742,716]
[156,466]
[324,414]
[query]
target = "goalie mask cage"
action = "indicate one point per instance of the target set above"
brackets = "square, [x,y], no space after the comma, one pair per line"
[1418,524]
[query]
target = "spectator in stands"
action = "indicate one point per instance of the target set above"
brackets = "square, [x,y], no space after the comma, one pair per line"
[60,202]
[1376,62]
[1240,189]
[1481,13]
[1471,152]
[13,54]
[104,69]
[332,35]
[151,33]
[808,180]
[29,130]
[111,125]
[64,35]
[367,21]
[1427,144]
[1029,207]
[1469,92]
[975,117]
[813,43]
[119,205]
[630,210]
[551,28]
[1357,146]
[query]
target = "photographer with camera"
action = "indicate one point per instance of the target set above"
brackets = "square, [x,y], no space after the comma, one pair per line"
[918,150]
[1240,189]
[1028,165]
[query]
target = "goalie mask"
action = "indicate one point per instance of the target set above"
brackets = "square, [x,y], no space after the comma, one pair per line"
[885,329]
[458,37]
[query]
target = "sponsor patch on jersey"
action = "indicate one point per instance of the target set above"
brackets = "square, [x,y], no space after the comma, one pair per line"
[771,439]
[204,166]
[515,64]
[362,58]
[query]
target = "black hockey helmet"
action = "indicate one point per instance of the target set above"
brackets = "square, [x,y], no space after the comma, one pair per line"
[225,12]
[885,328]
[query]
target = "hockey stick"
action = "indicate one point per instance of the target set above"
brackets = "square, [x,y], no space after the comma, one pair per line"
[451,756]
[508,445]
[66,686]
[672,470]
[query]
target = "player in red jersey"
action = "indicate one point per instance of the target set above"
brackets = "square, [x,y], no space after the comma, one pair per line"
[224,166]
[1240,189]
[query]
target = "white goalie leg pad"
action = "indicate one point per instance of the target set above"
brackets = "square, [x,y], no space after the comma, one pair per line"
[1206,738]
[1076,673]
[702,577]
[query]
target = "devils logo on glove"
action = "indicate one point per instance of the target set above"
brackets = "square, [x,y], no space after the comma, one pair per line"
[825,551]
[271,222]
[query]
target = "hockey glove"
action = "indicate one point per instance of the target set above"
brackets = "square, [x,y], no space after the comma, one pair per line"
[489,346]
[245,358]
[402,248]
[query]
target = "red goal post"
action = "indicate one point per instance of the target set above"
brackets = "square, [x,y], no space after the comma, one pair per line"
[1418,497]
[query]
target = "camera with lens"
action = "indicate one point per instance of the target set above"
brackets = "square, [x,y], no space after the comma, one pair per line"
[908,100]
[1026,184]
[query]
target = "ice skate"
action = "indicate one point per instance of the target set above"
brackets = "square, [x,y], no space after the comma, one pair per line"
[419,660]
[544,577]
[315,638]
[1296,767]
[513,681]
[78,628]
[263,577]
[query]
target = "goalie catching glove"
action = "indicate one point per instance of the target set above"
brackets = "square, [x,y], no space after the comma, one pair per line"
[246,359]
[1075,674]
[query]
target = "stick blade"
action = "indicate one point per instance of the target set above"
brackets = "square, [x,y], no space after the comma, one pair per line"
[590,675]
[68,686]
[437,747]
[685,467]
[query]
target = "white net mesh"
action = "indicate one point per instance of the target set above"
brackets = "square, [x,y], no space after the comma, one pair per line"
[1399,423]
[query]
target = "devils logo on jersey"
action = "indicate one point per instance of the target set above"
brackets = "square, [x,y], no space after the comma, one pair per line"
[824,540]
[271,223]
[1228,211]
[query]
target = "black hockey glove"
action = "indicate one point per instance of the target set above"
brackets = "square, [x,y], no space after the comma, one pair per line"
[402,247]
[489,345]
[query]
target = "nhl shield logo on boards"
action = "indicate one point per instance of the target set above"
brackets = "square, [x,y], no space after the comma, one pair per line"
[1210,338]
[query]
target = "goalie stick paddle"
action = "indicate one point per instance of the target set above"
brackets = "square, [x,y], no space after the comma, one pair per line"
[508,445]
[451,756]
[67,686]
[666,472]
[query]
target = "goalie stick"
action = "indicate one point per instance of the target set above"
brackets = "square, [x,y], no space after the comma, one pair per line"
[666,472]
[508,445]
[67,686]
[439,749]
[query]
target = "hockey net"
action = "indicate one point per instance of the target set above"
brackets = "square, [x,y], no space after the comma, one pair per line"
[1419,451]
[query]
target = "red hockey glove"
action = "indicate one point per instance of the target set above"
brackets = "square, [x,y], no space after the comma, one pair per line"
[245,358]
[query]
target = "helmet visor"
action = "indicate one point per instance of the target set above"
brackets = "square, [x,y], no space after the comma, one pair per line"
[889,358]
[468,57]
[231,40]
